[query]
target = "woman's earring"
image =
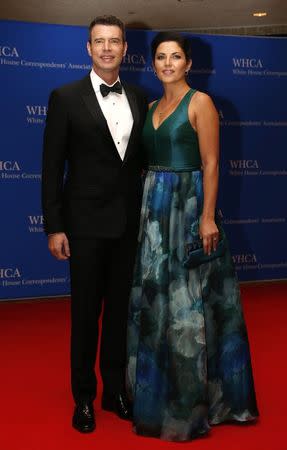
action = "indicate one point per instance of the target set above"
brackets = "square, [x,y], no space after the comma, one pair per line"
[155,74]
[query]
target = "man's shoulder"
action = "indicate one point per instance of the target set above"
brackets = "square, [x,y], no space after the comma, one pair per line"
[137,90]
[73,87]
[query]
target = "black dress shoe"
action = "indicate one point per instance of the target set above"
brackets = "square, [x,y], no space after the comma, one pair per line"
[84,418]
[119,404]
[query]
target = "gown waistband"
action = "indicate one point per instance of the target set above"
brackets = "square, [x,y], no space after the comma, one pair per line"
[159,168]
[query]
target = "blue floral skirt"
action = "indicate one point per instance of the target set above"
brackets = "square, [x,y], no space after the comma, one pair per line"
[188,355]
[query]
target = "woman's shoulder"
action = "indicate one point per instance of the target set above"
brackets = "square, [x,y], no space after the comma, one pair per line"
[200,97]
[201,100]
[151,104]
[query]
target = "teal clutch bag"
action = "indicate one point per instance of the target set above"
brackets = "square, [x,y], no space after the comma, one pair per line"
[195,254]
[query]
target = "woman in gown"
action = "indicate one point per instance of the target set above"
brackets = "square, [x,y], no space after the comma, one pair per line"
[188,355]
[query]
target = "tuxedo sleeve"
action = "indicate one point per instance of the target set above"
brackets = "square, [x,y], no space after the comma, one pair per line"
[54,156]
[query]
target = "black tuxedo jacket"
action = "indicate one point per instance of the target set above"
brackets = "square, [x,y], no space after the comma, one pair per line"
[101,194]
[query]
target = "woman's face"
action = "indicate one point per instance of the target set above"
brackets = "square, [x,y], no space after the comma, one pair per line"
[170,62]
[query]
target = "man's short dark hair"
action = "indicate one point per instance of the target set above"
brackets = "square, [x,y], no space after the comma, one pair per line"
[107,20]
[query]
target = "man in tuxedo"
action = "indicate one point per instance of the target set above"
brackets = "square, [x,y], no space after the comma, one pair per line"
[93,129]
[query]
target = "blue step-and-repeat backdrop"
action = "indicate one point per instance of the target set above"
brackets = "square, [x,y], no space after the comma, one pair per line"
[246,77]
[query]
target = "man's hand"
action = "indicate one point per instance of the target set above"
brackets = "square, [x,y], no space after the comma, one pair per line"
[59,245]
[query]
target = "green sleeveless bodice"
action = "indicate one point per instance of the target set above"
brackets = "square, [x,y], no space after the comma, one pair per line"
[174,144]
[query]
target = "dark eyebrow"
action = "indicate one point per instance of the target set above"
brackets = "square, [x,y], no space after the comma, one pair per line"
[174,53]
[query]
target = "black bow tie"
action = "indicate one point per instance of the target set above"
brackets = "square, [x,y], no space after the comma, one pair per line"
[105,89]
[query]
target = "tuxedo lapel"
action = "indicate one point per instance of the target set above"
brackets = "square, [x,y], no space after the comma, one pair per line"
[92,104]
[135,113]
[132,102]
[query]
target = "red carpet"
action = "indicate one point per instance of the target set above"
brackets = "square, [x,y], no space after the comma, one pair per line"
[36,405]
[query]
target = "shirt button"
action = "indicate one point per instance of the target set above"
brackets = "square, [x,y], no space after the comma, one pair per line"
[118,142]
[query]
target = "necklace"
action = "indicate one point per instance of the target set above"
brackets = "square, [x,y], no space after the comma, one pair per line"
[172,105]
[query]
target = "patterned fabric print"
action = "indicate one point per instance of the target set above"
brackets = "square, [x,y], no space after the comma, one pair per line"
[188,354]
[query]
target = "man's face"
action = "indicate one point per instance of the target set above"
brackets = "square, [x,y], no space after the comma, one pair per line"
[106,49]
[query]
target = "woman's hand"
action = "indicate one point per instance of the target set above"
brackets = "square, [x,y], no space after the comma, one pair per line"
[209,234]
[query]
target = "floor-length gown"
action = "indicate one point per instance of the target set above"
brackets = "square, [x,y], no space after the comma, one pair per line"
[188,354]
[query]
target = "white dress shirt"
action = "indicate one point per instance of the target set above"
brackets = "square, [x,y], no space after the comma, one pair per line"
[117,112]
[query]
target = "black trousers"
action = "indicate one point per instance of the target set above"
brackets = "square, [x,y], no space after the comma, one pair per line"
[101,275]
